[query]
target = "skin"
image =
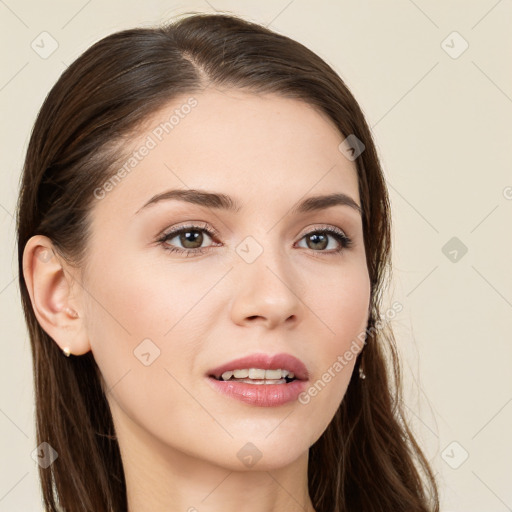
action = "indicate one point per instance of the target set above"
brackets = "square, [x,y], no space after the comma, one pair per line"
[179,438]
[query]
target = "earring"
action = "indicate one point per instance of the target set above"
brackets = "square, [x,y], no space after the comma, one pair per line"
[362,375]
[71,312]
[67,351]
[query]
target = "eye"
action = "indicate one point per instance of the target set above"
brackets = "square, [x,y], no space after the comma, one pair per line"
[191,237]
[318,240]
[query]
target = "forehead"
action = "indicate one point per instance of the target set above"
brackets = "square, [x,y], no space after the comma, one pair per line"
[256,147]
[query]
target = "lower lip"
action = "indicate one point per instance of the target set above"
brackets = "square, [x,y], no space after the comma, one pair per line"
[261,395]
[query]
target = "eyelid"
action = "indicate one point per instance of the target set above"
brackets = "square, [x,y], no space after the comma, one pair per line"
[200,226]
[322,227]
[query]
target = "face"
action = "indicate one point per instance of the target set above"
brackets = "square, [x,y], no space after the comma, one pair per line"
[164,309]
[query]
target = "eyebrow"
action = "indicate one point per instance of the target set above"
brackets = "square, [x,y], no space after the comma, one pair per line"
[222,201]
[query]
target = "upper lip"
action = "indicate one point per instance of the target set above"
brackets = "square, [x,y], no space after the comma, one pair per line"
[280,361]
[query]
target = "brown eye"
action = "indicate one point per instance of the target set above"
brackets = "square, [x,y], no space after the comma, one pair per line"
[318,240]
[186,240]
[189,238]
[192,239]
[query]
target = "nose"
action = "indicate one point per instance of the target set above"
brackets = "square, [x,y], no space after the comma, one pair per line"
[266,292]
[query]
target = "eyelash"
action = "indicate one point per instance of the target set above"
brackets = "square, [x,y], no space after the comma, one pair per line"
[344,241]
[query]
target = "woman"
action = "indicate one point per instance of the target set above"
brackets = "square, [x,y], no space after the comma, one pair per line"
[204,236]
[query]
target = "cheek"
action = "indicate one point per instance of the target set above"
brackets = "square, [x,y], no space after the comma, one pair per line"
[144,319]
[141,339]
[137,301]
[341,306]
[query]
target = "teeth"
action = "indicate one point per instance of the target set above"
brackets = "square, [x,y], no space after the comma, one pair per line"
[268,374]
[258,373]
[262,381]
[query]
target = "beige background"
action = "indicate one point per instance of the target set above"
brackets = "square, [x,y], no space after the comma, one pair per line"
[442,123]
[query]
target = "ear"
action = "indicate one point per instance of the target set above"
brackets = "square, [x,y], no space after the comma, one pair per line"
[50,285]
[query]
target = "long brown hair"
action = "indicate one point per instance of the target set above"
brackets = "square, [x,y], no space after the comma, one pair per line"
[367,459]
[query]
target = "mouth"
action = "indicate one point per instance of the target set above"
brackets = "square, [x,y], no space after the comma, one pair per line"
[257,376]
[261,369]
